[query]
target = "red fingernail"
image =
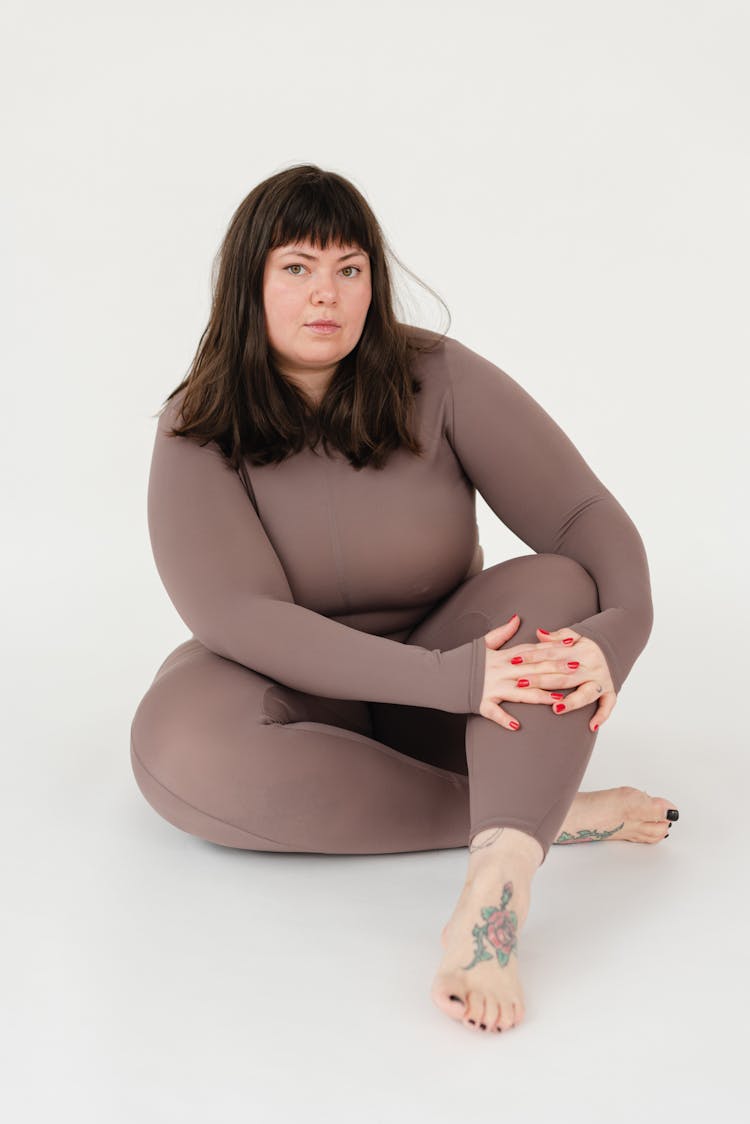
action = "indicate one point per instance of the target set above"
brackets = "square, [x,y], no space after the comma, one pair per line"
[568,640]
[573,663]
[514,725]
[517,659]
[596,725]
[559,707]
[544,630]
[511,618]
[522,683]
[556,695]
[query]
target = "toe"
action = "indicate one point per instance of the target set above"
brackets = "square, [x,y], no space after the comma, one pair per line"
[449,998]
[474,1012]
[653,832]
[491,1013]
[507,1015]
[659,808]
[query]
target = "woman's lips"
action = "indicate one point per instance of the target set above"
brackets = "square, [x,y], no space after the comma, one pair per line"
[323,329]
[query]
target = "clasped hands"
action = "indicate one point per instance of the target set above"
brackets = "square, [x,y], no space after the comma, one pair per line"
[534,673]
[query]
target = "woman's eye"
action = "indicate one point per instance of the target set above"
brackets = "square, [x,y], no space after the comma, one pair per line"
[298,265]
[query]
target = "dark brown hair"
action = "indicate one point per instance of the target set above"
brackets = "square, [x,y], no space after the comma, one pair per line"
[235,396]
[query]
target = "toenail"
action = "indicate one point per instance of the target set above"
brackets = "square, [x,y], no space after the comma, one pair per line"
[472,1022]
[456,998]
[499,1030]
[482,1026]
[673,814]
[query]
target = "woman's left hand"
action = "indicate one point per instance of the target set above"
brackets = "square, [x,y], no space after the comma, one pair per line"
[591,679]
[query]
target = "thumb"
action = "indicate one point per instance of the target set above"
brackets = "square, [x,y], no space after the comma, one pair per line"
[496,637]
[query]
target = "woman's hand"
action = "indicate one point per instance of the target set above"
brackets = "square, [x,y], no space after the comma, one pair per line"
[544,666]
[507,674]
[592,678]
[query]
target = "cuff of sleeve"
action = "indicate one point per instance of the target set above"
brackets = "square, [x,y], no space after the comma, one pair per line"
[476,679]
[585,628]
[460,685]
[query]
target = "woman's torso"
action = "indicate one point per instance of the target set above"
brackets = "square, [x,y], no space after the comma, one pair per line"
[375,548]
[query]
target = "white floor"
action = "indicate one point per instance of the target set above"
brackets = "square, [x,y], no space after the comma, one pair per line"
[151,976]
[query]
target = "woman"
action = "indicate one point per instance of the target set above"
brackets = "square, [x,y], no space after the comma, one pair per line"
[355,680]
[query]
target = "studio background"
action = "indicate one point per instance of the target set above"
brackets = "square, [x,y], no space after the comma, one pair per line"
[572,180]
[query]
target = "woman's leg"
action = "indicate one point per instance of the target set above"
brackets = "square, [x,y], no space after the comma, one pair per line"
[525,779]
[235,758]
[521,786]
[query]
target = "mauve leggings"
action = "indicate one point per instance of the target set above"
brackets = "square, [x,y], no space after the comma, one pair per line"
[239,759]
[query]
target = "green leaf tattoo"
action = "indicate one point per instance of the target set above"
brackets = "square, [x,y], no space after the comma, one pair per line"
[586,836]
[499,930]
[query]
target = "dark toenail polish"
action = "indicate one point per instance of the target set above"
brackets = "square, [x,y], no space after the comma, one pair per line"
[456,998]
[472,1022]
[482,1026]
[673,814]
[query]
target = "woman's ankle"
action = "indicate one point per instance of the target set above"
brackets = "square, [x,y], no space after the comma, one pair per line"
[503,845]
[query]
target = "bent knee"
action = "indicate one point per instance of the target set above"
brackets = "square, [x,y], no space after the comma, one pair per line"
[569,581]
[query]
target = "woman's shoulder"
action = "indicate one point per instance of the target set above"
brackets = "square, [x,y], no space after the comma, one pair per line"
[433,352]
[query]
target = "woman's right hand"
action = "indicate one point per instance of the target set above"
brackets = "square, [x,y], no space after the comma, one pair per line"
[501,676]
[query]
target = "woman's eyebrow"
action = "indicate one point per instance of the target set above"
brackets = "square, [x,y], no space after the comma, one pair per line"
[312,257]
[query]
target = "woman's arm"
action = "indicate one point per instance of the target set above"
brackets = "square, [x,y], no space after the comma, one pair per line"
[539,485]
[227,583]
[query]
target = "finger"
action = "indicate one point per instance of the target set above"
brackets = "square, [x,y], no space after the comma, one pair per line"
[604,709]
[555,678]
[582,696]
[530,695]
[538,653]
[496,637]
[495,713]
[565,635]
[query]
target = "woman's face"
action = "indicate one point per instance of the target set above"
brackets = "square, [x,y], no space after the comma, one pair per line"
[301,284]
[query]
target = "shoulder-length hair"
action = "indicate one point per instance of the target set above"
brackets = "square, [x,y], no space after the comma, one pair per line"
[235,396]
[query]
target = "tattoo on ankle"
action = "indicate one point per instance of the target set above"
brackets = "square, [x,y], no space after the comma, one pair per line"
[586,836]
[487,843]
[499,930]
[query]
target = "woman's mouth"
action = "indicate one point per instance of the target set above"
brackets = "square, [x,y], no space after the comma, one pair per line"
[322,328]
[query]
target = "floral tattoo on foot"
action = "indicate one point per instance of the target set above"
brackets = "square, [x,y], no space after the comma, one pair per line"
[587,835]
[499,930]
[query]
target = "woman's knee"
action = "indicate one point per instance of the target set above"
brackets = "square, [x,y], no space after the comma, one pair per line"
[553,589]
[570,580]
[196,702]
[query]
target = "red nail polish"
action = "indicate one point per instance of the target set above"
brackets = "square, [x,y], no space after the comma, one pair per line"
[573,663]
[596,725]
[544,630]
[522,683]
[559,707]
[517,659]
[514,725]
[511,618]
[556,695]
[568,640]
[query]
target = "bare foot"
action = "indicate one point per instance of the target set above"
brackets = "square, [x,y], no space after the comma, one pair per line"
[616,813]
[478,982]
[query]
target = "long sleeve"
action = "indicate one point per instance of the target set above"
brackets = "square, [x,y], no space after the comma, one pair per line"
[539,485]
[227,583]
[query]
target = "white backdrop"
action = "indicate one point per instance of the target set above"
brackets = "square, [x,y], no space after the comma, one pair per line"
[572,179]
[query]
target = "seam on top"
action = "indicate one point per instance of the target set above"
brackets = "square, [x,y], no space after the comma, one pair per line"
[338,560]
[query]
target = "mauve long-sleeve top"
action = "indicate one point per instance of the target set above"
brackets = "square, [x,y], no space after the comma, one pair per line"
[318,585]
